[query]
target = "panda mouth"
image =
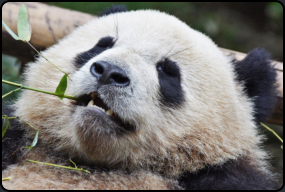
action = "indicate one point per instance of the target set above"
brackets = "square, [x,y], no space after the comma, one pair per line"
[93,100]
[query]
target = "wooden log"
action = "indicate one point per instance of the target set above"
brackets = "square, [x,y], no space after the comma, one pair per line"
[49,24]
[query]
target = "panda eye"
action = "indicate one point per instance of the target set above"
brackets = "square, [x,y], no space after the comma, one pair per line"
[168,67]
[106,42]
[160,67]
[102,45]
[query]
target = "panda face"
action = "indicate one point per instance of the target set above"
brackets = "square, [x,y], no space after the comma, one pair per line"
[153,89]
[127,78]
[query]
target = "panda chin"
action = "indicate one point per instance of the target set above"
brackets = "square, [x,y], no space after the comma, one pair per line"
[99,111]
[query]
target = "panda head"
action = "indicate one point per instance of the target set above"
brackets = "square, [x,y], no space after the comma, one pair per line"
[155,93]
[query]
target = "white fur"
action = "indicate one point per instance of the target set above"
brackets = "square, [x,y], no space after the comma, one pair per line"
[213,125]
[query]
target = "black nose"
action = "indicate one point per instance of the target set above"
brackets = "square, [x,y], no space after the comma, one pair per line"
[109,74]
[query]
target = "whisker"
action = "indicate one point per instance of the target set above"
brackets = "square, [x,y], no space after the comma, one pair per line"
[116,27]
[181,51]
[164,57]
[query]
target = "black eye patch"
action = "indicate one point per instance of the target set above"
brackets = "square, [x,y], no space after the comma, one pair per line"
[168,67]
[103,44]
[169,81]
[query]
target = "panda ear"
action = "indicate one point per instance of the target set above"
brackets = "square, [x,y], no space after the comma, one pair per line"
[259,78]
[113,9]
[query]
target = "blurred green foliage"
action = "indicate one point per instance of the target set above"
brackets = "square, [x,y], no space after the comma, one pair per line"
[274,10]
[11,72]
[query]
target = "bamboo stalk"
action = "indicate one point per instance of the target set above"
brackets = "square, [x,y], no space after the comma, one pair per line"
[11,92]
[7,178]
[61,166]
[38,90]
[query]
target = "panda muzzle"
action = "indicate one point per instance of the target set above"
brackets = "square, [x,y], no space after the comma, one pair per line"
[99,104]
[93,100]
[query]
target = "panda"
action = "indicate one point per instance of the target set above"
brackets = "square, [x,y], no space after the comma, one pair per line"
[161,108]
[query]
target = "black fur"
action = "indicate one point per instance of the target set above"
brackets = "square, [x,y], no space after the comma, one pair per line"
[169,81]
[233,175]
[12,142]
[256,71]
[114,9]
[103,44]
[106,42]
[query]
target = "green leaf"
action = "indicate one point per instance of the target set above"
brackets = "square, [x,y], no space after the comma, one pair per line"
[23,23]
[6,125]
[10,31]
[34,141]
[62,86]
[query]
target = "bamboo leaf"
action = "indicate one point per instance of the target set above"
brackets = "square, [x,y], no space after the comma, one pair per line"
[62,86]
[23,23]
[34,141]
[6,125]
[10,31]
